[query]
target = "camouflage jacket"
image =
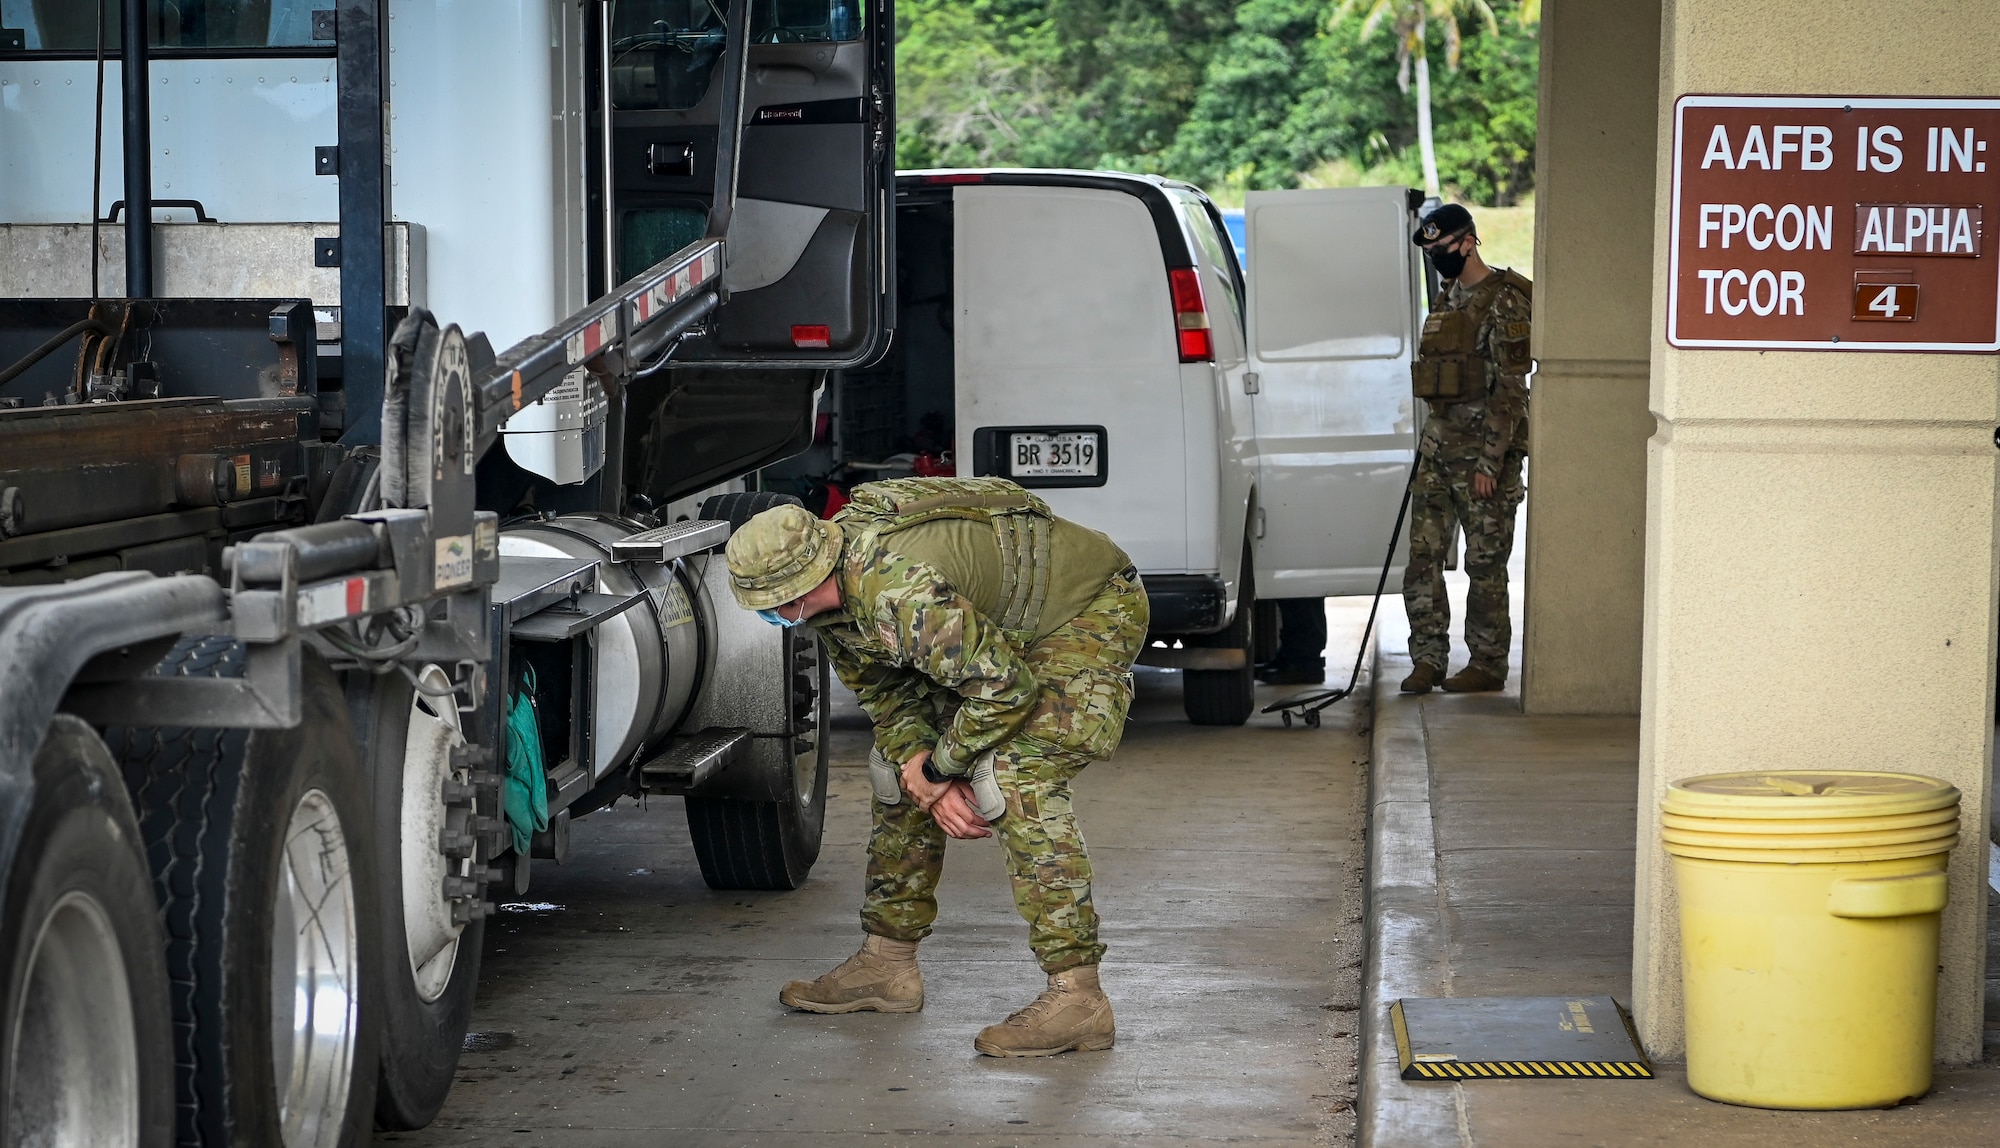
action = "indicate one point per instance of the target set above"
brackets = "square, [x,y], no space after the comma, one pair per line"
[919,655]
[1483,430]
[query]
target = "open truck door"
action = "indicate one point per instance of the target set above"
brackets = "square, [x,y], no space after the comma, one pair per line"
[1335,296]
[808,228]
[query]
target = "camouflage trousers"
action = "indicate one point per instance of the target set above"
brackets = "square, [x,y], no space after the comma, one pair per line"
[1085,672]
[1442,494]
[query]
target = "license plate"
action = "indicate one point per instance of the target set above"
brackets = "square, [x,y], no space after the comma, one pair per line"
[1065,454]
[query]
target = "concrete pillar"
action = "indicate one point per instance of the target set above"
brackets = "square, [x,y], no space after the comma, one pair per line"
[1588,423]
[1820,551]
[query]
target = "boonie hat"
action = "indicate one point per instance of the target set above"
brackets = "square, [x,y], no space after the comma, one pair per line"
[1445,221]
[779,555]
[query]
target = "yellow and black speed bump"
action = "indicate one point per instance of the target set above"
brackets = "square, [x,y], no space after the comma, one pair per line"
[1483,1038]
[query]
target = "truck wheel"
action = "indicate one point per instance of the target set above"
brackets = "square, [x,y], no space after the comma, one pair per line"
[773,844]
[86,1034]
[262,851]
[1226,697]
[740,507]
[432,892]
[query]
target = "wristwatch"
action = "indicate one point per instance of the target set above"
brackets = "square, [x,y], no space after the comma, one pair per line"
[931,773]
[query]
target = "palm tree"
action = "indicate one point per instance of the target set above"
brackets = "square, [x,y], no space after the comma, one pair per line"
[1409,19]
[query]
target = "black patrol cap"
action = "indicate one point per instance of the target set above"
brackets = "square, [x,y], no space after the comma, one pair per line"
[1447,220]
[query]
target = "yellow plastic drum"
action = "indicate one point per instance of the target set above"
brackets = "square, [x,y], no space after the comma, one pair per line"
[1810,904]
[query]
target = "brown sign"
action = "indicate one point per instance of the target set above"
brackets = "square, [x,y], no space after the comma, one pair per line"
[1815,223]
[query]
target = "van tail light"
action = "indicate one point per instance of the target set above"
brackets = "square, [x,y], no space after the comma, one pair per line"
[812,337]
[1190,315]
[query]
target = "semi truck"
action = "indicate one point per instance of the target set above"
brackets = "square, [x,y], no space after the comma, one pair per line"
[321,618]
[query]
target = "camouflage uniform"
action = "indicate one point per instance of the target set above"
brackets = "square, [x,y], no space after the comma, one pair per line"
[1485,435]
[935,672]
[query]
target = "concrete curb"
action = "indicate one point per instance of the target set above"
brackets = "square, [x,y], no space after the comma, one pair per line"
[1407,936]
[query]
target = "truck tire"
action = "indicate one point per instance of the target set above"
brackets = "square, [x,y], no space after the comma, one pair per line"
[740,507]
[773,844]
[1226,697]
[431,935]
[261,845]
[86,1034]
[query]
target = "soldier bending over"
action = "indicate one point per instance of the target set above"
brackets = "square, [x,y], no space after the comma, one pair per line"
[991,644]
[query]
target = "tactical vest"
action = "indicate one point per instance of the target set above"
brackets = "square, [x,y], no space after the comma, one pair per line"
[1448,368]
[1024,530]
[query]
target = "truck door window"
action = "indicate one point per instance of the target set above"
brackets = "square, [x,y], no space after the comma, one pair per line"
[663,52]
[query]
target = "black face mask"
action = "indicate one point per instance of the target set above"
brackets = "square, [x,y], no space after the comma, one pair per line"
[1448,263]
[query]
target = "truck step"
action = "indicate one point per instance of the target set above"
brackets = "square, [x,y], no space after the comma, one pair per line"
[675,540]
[689,760]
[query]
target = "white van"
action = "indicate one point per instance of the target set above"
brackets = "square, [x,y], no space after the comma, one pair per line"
[1091,335]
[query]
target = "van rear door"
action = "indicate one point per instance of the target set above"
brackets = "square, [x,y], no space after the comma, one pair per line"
[1064,338]
[1334,299]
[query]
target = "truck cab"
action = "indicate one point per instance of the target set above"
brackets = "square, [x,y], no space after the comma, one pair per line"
[376,385]
[1243,432]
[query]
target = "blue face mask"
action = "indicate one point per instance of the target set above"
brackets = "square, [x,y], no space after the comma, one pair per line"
[777,619]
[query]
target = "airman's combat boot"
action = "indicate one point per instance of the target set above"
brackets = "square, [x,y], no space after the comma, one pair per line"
[1072,1013]
[882,977]
[1473,680]
[1423,679]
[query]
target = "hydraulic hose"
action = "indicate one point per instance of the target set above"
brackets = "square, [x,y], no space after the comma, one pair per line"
[51,347]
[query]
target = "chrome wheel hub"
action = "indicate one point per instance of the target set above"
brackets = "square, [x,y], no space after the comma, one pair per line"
[315,957]
[429,926]
[73,1054]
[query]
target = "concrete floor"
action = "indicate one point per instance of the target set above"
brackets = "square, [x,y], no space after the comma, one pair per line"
[1523,856]
[639,1007]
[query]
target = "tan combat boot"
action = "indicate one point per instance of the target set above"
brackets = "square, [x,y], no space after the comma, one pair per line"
[883,977]
[1072,1013]
[1423,679]
[1473,680]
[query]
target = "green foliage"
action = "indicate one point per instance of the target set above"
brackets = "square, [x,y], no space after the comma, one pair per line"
[1231,94]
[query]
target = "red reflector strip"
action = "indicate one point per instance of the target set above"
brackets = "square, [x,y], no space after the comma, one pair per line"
[812,336]
[1190,315]
[332,601]
[592,339]
[674,287]
[956,177]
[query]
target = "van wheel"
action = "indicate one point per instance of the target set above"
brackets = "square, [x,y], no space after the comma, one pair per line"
[1264,632]
[261,845]
[86,1034]
[431,893]
[1226,697]
[773,844]
[740,507]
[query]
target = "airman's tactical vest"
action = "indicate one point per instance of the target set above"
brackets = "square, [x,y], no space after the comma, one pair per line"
[1448,368]
[1046,568]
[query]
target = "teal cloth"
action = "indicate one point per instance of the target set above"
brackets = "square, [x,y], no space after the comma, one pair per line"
[526,793]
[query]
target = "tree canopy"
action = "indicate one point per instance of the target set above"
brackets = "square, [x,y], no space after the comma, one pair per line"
[1230,94]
